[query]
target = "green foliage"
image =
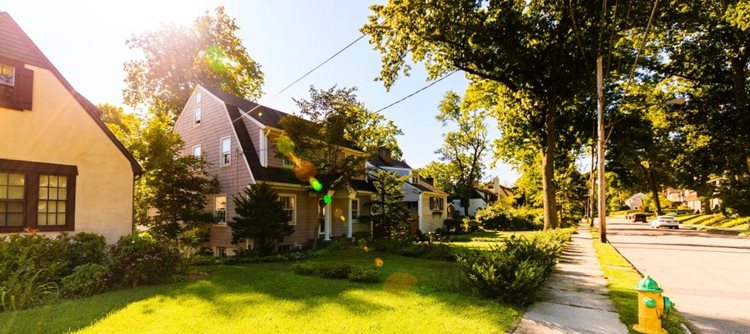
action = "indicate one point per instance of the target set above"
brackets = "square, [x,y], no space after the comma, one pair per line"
[364,275]
[85,248]
[359,274]
[86,280]
[404,247]
[388,212]
[340,271]
[735,195]
[501,216]
[207,52]
[27,287]
[260,218]
[140,258]
[452,224]
[515,269]
[33,255]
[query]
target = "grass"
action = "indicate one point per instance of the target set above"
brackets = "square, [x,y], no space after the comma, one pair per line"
[484,239]
[414,297]
[621,281]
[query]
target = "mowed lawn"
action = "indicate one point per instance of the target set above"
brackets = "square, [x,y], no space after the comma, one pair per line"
[414,297]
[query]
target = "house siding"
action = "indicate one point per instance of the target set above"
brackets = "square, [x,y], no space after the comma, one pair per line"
[59,130]
[431,220]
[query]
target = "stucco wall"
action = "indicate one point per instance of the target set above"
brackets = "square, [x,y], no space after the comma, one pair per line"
[430,220]
[58,130]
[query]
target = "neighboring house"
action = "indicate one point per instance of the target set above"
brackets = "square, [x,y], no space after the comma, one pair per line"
[427,203]
[238,138]
[482,197]
[688,198]
[635,202]
[61,169]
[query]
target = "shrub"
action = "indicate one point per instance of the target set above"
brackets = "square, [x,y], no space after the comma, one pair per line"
[304,269]
[340,271]
[452,224]
[361,235]
[506,218]
[261,218]
[87,248]
[43,256]
[139,258]
[470,225]
[515,269]
[433,251]
[27,287]
[364,275]
[86,280]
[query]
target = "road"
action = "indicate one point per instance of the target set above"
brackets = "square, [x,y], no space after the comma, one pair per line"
[707,275]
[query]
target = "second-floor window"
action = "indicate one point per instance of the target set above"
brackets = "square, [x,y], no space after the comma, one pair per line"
[7,75]
[226,152]
[197,151]
[197,118]
[436,204]
[286,162]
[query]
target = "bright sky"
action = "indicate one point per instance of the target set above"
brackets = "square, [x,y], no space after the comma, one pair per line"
[85,39]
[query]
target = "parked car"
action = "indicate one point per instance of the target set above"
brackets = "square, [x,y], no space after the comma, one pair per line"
[639,217]
[665,221]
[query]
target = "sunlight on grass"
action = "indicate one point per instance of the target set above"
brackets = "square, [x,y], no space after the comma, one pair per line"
[265,298]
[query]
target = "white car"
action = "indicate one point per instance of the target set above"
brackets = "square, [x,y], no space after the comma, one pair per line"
[665,221]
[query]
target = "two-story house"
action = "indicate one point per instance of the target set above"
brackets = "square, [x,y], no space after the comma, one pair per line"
[61,169]
[238,137]
[427,203]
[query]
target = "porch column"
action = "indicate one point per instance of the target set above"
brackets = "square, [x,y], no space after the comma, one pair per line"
[327,234]
[419,211]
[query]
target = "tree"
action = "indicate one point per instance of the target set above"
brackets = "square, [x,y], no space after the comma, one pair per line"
[539,52]
[177,185]
[260,218]
[445,175]
[177,58]
[331,121]
[389,213]
[464,148]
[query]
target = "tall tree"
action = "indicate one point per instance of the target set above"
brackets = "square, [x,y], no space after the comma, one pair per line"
[329,122]
[176,58]
[446,176]
[260,218]
[464,147]
[539,51]
[388,211]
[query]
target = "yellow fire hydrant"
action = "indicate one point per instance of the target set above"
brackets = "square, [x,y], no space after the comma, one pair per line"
[651,307]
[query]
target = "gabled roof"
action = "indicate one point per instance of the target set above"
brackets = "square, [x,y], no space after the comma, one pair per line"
[265,115]
[16,45]
[379,162]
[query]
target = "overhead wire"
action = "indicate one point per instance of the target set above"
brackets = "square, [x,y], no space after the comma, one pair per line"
[416,92]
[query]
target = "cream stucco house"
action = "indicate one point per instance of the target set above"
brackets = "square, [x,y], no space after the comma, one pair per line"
[61,169]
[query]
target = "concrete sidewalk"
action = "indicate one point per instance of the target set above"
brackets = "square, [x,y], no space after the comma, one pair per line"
[574,298]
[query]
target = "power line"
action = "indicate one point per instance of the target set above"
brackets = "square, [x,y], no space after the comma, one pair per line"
[301,77]
[416,92]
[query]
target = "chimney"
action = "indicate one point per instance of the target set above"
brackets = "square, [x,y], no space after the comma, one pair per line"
[430,181]
[496,185]
[385,154]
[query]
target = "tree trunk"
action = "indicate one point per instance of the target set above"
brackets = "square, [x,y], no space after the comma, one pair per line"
[654,192]
[738,80]
[548,171]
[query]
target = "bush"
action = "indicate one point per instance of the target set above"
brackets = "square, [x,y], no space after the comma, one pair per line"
[304,269]
[340,271]
[364,275]
[404,247]
[139,259]
[27,287]
[505,218]
[87,248]
[86,280]
[452,224]
[514,270]
[361,235]
[470,225]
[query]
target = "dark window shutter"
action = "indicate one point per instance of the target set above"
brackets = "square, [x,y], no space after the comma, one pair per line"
[24,88]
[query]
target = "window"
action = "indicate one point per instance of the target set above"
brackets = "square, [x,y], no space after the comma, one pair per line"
[12,199]
[197,151]
[7,75]
[226,152]
[198,98]
[197,115]
[287,202]
[36,195]
[220,209]
[286,162]
[436,204]
[355,209]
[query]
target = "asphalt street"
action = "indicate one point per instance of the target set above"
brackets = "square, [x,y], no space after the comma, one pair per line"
[707,275]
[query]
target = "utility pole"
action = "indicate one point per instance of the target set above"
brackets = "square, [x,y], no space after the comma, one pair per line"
[601,150]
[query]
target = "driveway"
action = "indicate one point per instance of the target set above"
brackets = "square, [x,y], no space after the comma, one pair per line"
[707,275]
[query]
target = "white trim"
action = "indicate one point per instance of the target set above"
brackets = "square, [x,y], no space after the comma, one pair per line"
[197,121]
[200,150]
[251,118]
[263,154]
[225,208]
[197,87]
[287,185]
[221,151]
[419,212]
[349,221]
[329,213]
[294,207]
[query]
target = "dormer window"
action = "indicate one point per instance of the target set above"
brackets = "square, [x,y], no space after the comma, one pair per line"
[7,75]
[226,152]
[197,118]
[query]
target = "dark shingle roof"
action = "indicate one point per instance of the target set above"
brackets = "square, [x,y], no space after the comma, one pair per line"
[379,162]
[261,113]
[16,45]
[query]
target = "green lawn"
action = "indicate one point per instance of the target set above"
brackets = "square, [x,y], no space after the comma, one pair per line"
[484,239]
[621,281]
[415,297]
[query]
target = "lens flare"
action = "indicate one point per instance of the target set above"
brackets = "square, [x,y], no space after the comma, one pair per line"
[399,283]
[327,199]
[378,262]
[315,184]
[304,170]
[365,249]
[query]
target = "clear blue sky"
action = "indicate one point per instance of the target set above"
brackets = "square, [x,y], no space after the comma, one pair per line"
[86,41]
